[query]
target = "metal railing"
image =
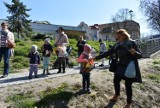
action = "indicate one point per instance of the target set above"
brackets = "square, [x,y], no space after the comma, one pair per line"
[149,46]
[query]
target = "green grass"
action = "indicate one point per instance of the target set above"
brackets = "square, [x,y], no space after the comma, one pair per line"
[21,100]
[154,77]
[156,62]
[47,97]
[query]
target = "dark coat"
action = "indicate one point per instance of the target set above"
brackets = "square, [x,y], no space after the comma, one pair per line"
[34,58]
[80,46]
[46,47]
[124,57]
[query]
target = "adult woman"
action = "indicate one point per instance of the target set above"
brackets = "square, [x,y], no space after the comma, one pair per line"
[61,42]
[80,44]
[5,37]
[126,51]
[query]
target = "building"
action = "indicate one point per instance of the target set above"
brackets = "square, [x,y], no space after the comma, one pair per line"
[107,31]
[44,27]
[93,32]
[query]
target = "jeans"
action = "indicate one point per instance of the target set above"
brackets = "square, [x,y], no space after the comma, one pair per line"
[6,52]
[86,80]
[128,85]
[46,61]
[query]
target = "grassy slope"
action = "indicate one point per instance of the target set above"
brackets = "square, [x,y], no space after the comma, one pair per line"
[64,91]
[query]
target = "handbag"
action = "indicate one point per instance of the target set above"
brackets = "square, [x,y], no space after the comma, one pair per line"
[113,65]
[130,71]
[10,44]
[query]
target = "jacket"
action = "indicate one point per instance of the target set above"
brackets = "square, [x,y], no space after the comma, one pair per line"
[124,57]
[46,47]
[86,66]
[80,46]
[34,58]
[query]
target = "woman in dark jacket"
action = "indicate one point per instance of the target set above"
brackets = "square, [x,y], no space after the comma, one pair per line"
[126,51]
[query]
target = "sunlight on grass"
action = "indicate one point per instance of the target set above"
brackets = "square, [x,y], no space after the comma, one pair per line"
[154,77]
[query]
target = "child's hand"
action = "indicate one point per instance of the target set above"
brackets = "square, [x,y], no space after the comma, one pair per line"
[85,61]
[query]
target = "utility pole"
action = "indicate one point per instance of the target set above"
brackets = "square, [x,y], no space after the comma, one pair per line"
[131,15]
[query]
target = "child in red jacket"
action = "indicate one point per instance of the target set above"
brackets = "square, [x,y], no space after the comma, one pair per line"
[87,66]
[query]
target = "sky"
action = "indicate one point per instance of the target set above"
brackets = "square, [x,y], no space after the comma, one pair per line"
[72,12]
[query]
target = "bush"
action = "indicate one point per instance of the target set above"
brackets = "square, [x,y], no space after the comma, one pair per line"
[20,62]
[39,36]
[74,34]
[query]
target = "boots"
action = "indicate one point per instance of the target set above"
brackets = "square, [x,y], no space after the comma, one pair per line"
[43,71]
[48,72]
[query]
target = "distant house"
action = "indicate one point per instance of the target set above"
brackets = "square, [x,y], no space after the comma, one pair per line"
[107,31]
[92,32]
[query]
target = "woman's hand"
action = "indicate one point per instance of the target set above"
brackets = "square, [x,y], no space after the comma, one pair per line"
[132,51]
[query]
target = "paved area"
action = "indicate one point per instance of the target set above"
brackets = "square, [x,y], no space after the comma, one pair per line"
[20,78]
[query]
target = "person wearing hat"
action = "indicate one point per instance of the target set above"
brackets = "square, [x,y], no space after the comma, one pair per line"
[102,50]
[60,42]
[6,36]
[46,51]
[34,61]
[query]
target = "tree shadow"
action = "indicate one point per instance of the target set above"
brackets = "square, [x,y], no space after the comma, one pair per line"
[110,104]
[55,100]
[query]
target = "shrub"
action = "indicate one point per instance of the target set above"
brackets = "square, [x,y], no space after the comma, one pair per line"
[74,34]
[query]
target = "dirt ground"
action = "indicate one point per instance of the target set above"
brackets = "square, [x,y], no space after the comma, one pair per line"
[103,81]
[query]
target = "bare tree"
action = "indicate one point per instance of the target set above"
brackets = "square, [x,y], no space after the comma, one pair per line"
[121,18]
[151,9]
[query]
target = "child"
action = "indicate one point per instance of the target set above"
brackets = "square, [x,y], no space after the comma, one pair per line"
[46,50]
[87,66]
[34,61]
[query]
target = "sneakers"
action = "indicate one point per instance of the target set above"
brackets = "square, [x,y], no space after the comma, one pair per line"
[86,91]
[114,98]
[89,91]
[101,65]
[4,76]
[30,77]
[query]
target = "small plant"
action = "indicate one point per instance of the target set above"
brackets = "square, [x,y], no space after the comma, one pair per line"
[156,62]
[154,77]
[21,100]
[93,86]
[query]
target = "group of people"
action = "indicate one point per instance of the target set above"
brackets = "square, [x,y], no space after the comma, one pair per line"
[60,44]
[125,50]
